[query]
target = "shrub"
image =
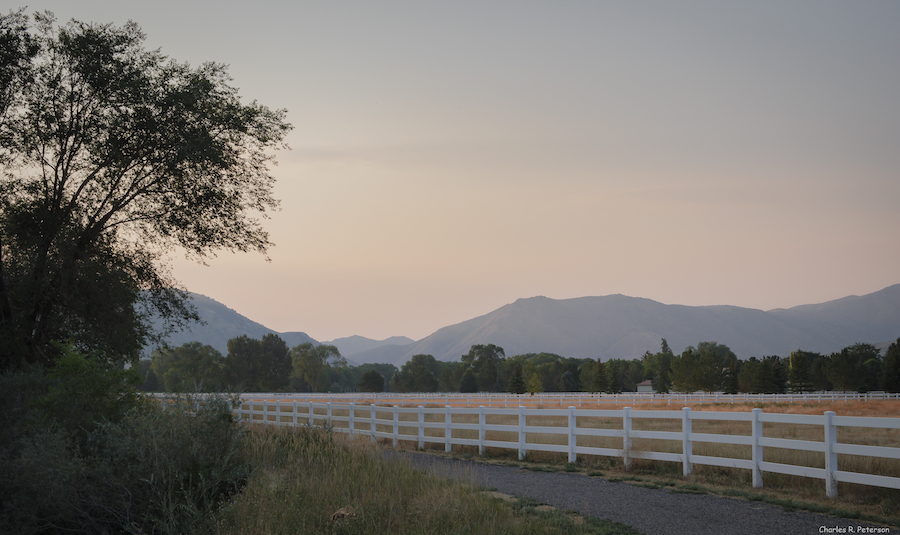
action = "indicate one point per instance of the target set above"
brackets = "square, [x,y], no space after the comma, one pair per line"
[85,453]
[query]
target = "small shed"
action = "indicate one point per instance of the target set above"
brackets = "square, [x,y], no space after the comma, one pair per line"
[646,386]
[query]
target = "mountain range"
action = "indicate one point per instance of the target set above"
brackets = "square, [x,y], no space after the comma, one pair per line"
[607,327]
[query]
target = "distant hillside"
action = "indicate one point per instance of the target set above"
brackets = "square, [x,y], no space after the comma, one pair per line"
[351,345]
[223,324]
[617,326]
[612,326]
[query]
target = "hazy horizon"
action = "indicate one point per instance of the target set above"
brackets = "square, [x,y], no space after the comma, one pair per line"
[448,159]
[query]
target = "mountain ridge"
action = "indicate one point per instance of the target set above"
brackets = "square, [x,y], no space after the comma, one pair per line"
[618,326]
[605,327]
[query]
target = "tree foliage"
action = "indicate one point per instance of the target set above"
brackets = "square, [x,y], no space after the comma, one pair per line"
[891,371]
[485,361]
[702,368]
[516,380]
[419,374]
[111,157]
[847,370]
[262,365]
[310,363]
[191,367]
[371,381]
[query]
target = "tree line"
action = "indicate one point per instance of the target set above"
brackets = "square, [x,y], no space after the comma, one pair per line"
[269,365]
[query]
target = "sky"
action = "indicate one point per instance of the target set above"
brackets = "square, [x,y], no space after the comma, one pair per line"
[448,158]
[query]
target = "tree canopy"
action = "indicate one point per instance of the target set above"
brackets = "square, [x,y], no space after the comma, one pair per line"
[111,158]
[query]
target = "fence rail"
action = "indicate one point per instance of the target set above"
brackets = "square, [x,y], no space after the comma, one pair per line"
[578,399]
[611,433]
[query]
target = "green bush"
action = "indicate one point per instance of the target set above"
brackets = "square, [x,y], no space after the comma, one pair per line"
[85,453]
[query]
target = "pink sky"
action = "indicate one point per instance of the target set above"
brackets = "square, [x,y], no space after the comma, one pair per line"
[448,159]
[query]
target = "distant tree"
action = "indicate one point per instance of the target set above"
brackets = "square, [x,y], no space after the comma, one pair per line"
[309,362]
[188,368]
[800,370]
[731,383]
[445,380]
[275,363]
[702,368]
[417,375]
[600,379]
[517,381]
[846,370]
[534,383]
[658,367]
[890,381]
[485,360]
[468,383]
[371,381]
[817,372]
[614,376]
[241,368]
[762,376]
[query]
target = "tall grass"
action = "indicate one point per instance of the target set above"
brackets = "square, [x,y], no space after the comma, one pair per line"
[303,476]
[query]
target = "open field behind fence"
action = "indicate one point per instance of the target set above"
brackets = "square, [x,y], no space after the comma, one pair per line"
[576,399]
[827,447]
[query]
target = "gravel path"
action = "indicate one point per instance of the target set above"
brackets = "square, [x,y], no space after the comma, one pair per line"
[650,511]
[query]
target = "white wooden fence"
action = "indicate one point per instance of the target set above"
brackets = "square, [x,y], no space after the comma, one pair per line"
[411,424]
[578,399]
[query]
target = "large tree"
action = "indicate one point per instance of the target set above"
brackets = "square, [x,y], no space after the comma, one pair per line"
[112,157]
[418,374]
[310,363]
[847,370]
[192,367]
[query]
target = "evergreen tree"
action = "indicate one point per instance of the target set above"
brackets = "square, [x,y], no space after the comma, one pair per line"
[800,370]
[517,382]
[468,384]
[614,376]
[600,379]
[890,379]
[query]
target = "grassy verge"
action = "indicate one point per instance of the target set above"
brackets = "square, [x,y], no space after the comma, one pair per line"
[309,480]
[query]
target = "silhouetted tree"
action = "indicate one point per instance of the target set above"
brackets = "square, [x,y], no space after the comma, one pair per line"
[371,381]
[516,382]
[890,381]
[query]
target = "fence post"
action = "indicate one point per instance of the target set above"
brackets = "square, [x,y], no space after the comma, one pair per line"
[481,430]
[756,451]
[573,439]
[265,412]
[396,425]
[351,419]
[421,427]
[295,412]
[521,432]
[448,432]
[831,465]
[626,437]
[372,422]
[687,448]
